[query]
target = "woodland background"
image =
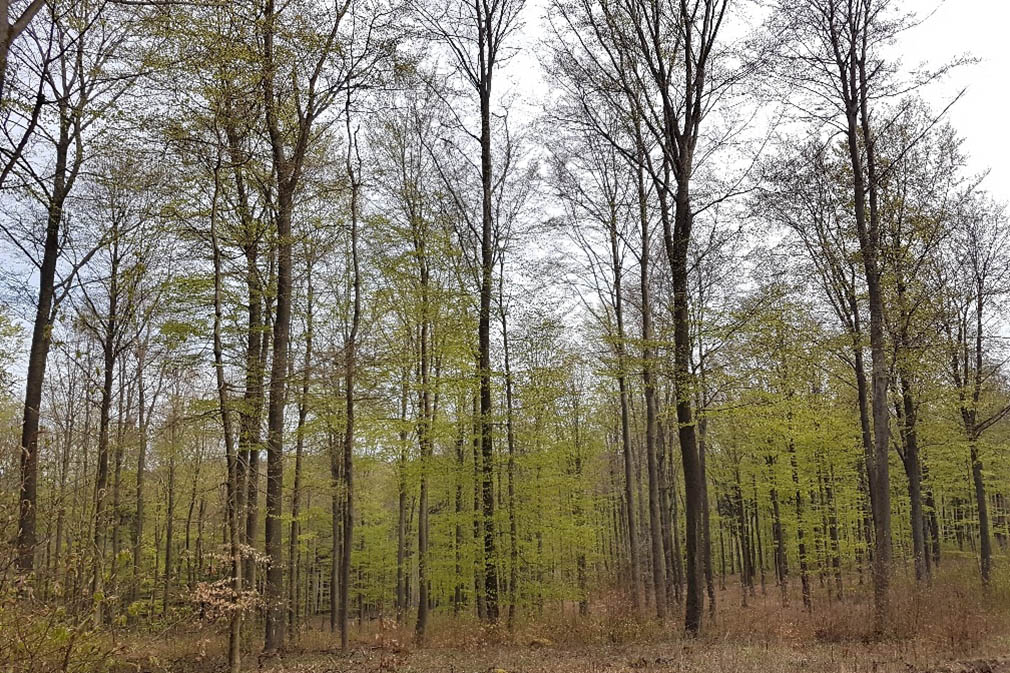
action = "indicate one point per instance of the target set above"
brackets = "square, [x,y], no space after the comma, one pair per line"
[317,333]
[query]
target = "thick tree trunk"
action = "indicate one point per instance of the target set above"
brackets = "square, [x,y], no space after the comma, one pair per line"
[42,327]
[274,533]
[487,245]
[861,144]
[676,244]
[985,544]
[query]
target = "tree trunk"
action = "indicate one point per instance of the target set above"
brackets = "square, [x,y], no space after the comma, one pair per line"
[478,522]
[294,582]
[649,386]
[45,311]
[401,506]
[487,245]
[349,379]
[424,430]
[676,243]
[800,530]
[234,485]
[511,469]
[913,470]
[169,521]
[984,546]
[108,338]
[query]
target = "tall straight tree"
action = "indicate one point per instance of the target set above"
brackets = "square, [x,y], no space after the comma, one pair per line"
[233,484]
[407,169]
[292,118]
[110,310]
[594,183]
[921,195]
[976,274]
[849,30]
[662,62]
[84,84]
[834,51]
[476,36]
[803,195]
[353,167]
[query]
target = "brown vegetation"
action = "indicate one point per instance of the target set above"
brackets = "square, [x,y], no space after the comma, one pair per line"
[952,626]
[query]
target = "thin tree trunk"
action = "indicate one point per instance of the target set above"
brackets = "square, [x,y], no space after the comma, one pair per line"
[294,577]
[478,519]
[169,521]
[511,469]
[349,379]
[425,442]
[401,508]
[234,485]
[800,529]
[109,338]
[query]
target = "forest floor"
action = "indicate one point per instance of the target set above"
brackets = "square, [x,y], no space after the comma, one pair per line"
[953,626]
[673,656]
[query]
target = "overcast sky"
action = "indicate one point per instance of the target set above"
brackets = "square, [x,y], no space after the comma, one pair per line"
[980,28]
[950,29]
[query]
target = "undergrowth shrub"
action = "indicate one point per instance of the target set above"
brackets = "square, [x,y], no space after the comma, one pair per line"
[45,639]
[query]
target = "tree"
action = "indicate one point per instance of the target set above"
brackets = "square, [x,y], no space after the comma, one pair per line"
[476,37]
[11,27]
[834,51]
[293,117]
[666,65]
[111,312]
[84,86]
[596,186]
[975,274]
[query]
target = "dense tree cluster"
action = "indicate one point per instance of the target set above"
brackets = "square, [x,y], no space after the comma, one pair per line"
[321,323]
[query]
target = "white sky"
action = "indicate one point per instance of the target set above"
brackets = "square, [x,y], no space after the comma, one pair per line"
[951,29]
[981,29]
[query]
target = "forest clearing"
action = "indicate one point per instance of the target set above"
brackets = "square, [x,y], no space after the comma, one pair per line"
[503,336]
